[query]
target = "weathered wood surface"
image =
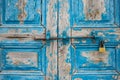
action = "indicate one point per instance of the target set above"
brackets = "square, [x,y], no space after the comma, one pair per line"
[59,39]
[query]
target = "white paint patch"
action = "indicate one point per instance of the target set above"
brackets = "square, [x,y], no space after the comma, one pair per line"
[21,5]
[94,9]
[52,61]
[64,67]
[101,34]
[51,51]
[52,18]
[22,58]
[64,27]
[64,17]
[96,57]
[81,33]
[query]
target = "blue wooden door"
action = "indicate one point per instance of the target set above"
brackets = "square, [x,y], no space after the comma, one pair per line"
[84,25]
[25,54]
[59,40]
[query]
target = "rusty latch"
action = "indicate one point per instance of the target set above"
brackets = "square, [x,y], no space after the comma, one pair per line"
[40,37]
[55,38]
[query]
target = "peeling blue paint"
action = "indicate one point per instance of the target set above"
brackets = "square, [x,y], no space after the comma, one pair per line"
[59,39]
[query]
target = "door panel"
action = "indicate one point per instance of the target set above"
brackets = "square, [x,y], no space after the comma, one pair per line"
[27,60]
[23,19]
[88,58]
[22,11]
[83,24]
[94,13]
[25,52]
[87,61]
[83,61]
[59,39]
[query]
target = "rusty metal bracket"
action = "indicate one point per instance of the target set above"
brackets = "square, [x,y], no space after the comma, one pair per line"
[55,38]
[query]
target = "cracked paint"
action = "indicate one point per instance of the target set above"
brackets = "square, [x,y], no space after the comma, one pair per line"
[22,59]
[64,45]
[100,33]
[21,5]
[96,57]
[60,19]
[51,25]
[64,66]
[64,16]
[51,69]
[51,32]
[94,9]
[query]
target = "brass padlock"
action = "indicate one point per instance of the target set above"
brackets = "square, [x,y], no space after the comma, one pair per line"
[102,47]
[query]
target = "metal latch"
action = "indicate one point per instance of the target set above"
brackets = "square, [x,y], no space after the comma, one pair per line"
[55,38]
[40,37]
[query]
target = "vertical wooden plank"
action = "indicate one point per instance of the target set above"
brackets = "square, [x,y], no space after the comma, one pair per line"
[64,59]
[64,45]
[117,9]
[0,60]
[51,31]
[0,12]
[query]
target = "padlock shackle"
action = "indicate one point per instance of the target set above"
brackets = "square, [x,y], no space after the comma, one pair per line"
[101,43]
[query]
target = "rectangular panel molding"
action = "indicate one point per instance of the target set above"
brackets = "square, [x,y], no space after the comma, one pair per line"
[94,13]
[22,61]
[23,12]
[88,60]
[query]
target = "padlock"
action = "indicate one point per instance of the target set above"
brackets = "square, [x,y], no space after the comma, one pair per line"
[102,47]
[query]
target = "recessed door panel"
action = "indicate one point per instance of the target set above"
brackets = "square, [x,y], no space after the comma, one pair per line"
[23,61]
[24,48]
[83,24]
[89,58]
[88,63]
[22,11]
[94,13]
